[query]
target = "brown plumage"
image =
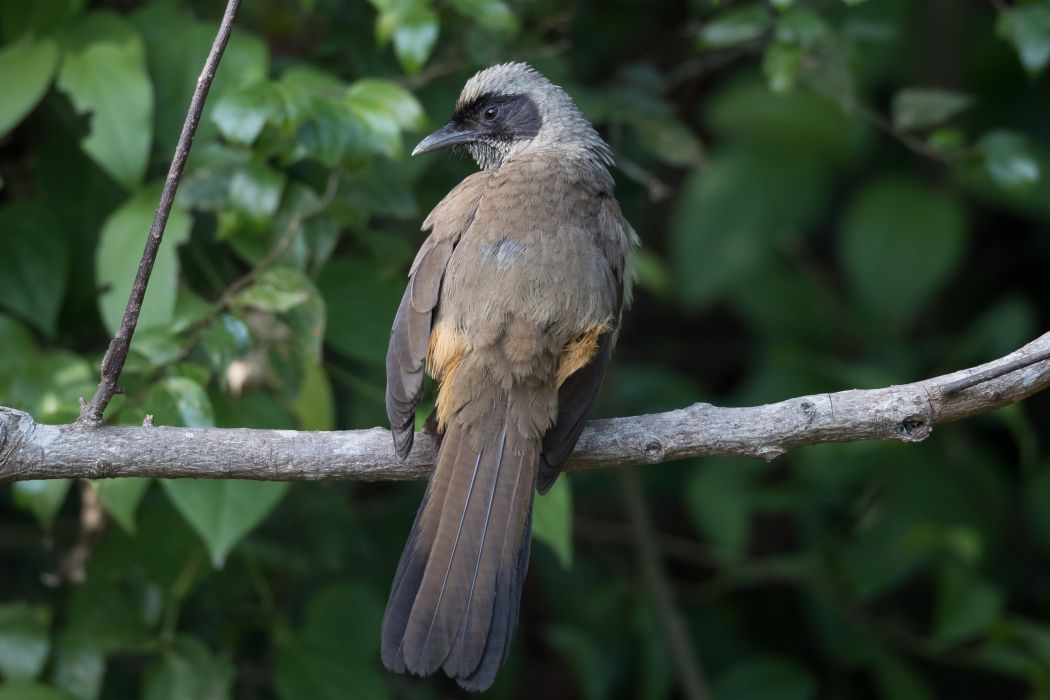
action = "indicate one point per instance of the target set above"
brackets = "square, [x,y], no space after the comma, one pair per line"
[512,306]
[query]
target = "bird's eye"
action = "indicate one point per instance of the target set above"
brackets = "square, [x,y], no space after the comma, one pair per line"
[491,113]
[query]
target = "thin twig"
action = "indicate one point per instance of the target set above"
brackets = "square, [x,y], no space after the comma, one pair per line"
[994,372]
[686,660]
[912,142]
[117,353]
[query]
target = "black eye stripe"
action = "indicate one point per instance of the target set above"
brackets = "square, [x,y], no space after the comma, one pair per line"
[516,117]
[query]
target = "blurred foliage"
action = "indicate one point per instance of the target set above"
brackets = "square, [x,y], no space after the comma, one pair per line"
[831,194]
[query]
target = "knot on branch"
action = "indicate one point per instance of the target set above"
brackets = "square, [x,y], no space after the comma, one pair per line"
[915,428]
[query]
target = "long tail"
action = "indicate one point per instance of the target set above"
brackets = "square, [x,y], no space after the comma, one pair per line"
[454,600]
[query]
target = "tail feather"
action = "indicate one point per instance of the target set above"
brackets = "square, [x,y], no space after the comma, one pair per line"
[455,596]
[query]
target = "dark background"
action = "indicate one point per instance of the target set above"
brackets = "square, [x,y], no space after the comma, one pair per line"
[830,195]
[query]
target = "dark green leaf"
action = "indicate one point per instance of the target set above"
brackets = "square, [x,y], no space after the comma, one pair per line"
[1027,27]
[1008,159]
[104,73]
[242,113]
[28,67]
[42,498]
[552,520]
[222,511]
[966,605]
[29,691]
[919,108]
[718,497]
[900,243]
[361,306]
[188,670]
[765,678]
[120,251]
[34,263]
[24,641]
[121,497]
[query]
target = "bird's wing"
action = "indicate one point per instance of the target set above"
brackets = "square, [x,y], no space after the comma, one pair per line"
[410,335]
[576,395]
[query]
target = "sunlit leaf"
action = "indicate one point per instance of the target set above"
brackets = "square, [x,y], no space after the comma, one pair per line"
[28,67]
[24,640]
[1027,27]
[104,73]
[735,26]
[1008,159]
[120,251]
[919,108]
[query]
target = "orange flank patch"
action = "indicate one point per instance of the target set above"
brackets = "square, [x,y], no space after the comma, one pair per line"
[579,351]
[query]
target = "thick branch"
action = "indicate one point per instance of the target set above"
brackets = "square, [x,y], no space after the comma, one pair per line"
[117,352]
[30,450]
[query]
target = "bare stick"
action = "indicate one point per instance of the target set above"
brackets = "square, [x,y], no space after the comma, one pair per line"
[117,353]
[906,413]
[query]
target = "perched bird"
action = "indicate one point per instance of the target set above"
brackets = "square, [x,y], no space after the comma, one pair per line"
[512,306]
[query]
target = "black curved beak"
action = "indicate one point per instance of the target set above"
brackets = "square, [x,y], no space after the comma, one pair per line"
[448,135]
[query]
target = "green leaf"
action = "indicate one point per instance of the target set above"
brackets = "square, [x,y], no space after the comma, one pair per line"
[919,108]
[493,15]
[119,252]
[719,501]
[335,649]
[104,73]
[414,38]
[314,407]
[178,401]
[224,511]
[552,520]
[256,190]
[37,18]
[670,140]
[188,670]
[1008,159]
[24,641]
[765,678]
[78,670]
[361,305]
[899,682]
[277,290]
[377,99]
[709,218]
[28,67]
[900,241]
[781,64]
[242,113]
[1027,27]
[34,264]
[29,691]
[121,497]
[735,26]
[42,498]
[966,605]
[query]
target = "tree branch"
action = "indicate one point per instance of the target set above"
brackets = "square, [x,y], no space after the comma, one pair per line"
[908,413]
[117,352]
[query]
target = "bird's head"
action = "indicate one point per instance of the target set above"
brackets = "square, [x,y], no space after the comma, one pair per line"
[509,109]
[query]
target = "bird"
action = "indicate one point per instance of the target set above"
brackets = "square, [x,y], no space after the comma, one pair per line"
[513,305]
